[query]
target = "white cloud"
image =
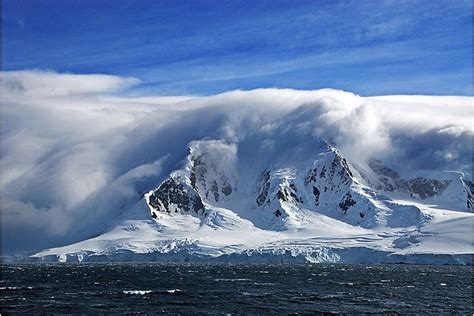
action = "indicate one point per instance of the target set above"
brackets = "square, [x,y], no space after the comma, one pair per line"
[34,83]
[74,157]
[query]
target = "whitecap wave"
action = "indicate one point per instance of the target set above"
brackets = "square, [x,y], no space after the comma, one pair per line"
[137,292]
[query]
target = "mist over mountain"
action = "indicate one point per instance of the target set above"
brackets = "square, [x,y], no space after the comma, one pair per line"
[81,158]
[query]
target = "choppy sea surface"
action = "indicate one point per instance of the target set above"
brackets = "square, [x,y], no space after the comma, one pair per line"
[235,288]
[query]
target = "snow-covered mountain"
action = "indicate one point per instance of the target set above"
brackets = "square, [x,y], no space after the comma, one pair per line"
[292,199]
[284,176]
[278,193]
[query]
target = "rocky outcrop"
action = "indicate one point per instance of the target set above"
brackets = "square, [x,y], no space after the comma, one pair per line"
[326,187]
[264,187]
[204,179]
[470,193]
[347,202]
[331,179]
[174,195]
[418,187]
[285,191]
[388,180]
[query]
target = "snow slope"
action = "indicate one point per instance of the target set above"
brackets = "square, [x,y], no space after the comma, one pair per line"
[224,237]
[271,186]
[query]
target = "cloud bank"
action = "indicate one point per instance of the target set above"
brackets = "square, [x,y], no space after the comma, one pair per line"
[76,155]
[38,84]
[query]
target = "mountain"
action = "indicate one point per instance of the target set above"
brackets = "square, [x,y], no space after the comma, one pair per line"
[279,192]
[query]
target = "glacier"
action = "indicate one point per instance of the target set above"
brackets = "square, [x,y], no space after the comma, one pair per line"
[293,180]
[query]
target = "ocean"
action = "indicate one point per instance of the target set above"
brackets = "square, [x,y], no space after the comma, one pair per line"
[234,289]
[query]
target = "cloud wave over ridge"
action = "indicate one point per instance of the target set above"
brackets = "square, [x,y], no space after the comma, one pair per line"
[76,154]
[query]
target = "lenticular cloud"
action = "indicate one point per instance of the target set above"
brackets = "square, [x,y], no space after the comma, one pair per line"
[76,154]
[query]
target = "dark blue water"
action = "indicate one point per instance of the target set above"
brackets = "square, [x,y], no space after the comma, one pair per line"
[239,288]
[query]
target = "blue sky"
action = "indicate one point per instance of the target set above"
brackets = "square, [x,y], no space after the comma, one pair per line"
[205,47]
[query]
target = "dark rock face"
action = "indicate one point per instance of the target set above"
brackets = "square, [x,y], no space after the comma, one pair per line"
[331,176]
[470,194]
[289,194]
[316,194]
[263,190]
[322,174]
[183,192]
[173,194]
[346,202]
[312,176]
[417,187]
[192,178]
[423,188]
[470,185]
[336,175]
[215,190]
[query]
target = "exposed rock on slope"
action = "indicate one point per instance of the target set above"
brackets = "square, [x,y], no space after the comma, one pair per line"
[455,192]
[285,190]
